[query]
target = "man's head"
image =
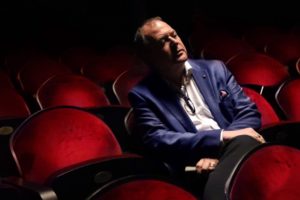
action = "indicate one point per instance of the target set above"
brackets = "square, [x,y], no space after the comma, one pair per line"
[159,45]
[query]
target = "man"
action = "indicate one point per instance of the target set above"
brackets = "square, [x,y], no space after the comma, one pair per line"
[190,112]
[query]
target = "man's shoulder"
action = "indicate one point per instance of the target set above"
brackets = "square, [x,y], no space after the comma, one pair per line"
[145,83]
[205,63]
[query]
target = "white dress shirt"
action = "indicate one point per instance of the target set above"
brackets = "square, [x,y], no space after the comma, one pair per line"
[202,117]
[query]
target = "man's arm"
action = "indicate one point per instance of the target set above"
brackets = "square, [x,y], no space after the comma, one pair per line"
[186,147]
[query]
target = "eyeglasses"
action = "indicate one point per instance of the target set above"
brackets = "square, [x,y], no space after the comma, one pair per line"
[184,94]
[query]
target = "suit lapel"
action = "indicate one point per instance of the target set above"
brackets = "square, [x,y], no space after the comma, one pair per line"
[204,84]
[175,107]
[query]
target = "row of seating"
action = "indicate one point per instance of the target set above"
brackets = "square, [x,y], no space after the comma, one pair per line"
[69,153]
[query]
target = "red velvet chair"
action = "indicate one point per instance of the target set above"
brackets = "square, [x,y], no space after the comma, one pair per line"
[260,72]
[125,81]
[12,104]
[268,172]
[70,152]
[114,116]
[257,69]
[59,137]
[268,114]
[141,187]
[288,98]
[79,181]
[71,90]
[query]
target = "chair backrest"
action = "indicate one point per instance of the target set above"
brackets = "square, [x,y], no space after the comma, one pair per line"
[257,69]
[12,104]
[59,137]
[125,81]
[286,132]
[288,98]
[268,114]
[77,182]
[114,116]
[71,90]
[140,187]
[269,172]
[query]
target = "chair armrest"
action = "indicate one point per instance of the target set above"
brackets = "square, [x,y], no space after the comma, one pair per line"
[26,190]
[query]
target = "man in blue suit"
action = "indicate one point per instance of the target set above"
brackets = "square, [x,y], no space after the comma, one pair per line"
[190,112]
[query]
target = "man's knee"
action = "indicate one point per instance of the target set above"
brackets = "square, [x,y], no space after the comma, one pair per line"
[242,144]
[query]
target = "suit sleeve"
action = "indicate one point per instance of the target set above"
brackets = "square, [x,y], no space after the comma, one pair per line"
[173,146]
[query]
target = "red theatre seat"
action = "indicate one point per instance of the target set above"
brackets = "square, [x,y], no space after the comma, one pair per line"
[12,104]
[71,90]
[125,81]
[268,114]
[257,69]
[269,172]
[288,98]
[137,188]
[55,138]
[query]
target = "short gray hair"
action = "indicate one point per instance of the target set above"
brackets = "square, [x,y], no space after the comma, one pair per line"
[140,40]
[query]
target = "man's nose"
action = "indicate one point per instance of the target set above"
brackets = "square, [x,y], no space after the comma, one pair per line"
[173,40]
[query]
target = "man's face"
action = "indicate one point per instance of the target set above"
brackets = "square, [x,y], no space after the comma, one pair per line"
[166,48]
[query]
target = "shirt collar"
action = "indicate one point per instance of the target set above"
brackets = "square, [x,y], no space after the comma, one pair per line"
[188,71]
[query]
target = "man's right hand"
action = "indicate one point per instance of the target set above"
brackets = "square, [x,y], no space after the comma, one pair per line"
[227,135]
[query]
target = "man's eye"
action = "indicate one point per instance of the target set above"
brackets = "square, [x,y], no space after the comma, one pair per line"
[174,35]
[162,41]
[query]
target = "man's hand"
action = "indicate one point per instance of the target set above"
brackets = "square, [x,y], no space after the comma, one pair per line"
[227,135]
[206,164]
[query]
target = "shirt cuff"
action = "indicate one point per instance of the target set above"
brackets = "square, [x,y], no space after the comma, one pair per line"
[221,136]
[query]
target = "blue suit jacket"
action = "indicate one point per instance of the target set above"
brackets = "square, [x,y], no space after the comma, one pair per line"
[166,130]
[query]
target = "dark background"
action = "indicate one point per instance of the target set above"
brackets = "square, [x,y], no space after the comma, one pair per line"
[63,23]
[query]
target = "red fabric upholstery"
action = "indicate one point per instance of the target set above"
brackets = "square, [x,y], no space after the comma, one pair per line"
[12,104]
[269,172]
[288,98]
[146,189]
[257,69]
[71,90]
[268,114]
[60,137]
[125,81]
